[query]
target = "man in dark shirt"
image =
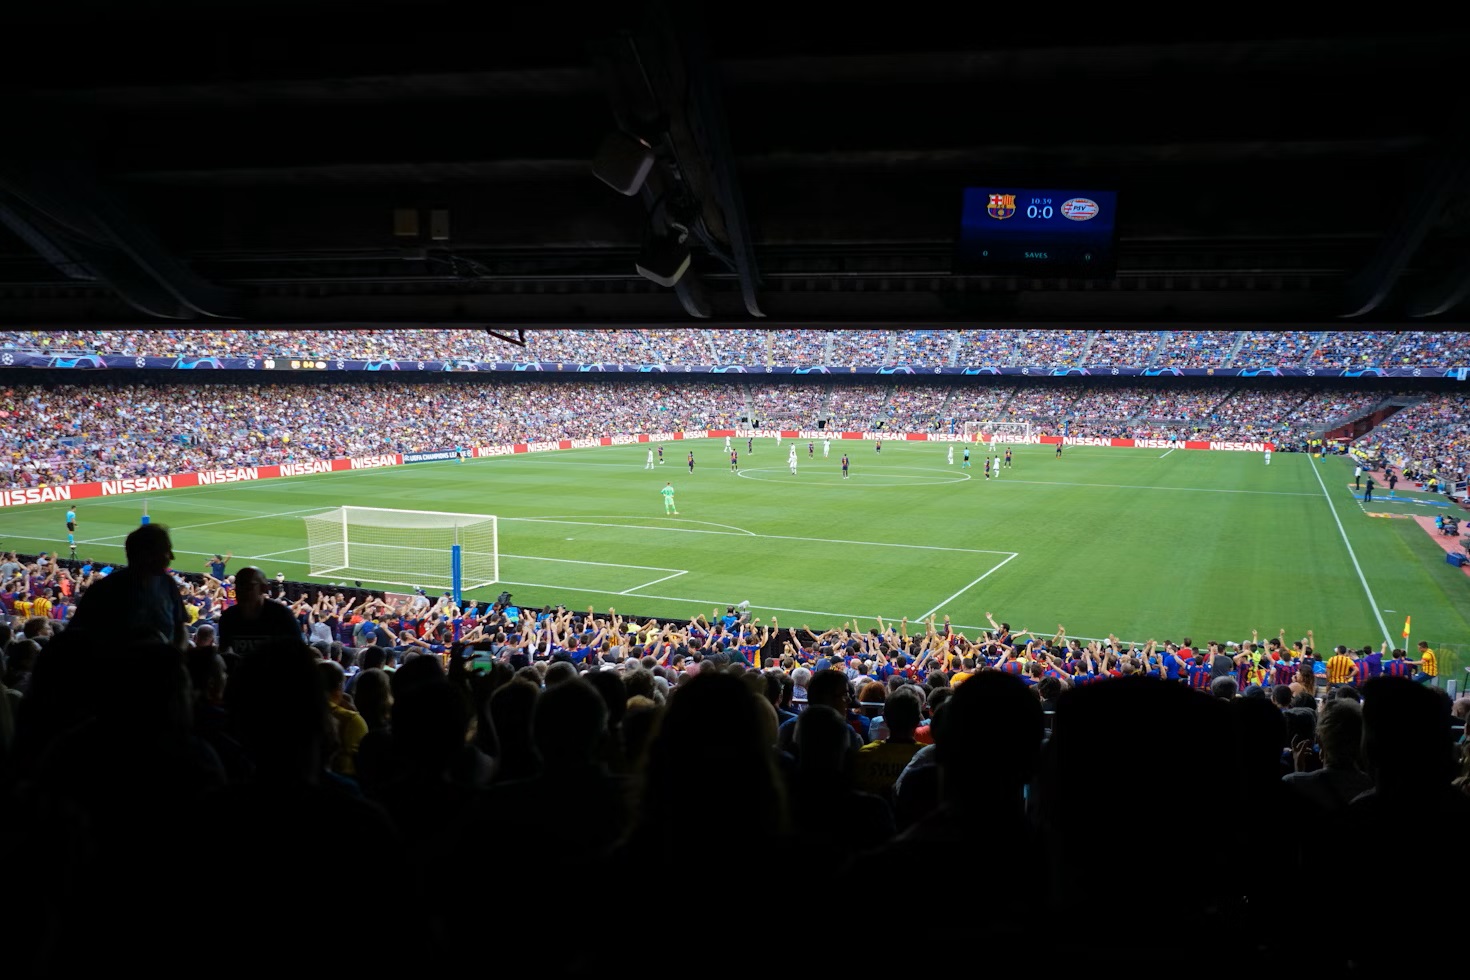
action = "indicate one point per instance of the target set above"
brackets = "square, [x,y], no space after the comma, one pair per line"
[139,603]
[254,622]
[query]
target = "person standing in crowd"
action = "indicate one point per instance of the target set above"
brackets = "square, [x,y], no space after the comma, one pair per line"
[254,622]
[139,603]
[217,566]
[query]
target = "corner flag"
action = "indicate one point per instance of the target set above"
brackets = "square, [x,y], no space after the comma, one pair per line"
[1406,627]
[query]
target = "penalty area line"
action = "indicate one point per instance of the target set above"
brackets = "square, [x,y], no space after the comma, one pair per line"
[925,615]
[654,582]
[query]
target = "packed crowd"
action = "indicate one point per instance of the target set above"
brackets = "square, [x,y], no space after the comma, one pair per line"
[787,406]
[1430,438]
[1432,348]
[1274,348]
[1196,348]
[679,346]
[921,347]
[1329,349]
[74,434]
[1052,348]
[1187,402]
[1133,348]
[1354,350]
[269,739]
[856,408]
[1044,404]
[859,347]
[916,408]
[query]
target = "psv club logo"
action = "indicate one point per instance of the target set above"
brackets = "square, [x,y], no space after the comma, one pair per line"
[1001,206]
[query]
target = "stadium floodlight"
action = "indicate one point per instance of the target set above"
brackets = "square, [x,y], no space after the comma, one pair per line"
[422,548]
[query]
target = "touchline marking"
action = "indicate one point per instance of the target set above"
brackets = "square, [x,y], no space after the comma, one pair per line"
[557,518]
[654,582]
[1129,486]
[187,527]
[601,564]
[1165,454]
[1351,554]
[925,615]
[768,537]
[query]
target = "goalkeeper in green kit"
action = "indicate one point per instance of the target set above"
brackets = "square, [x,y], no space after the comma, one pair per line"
[668,492]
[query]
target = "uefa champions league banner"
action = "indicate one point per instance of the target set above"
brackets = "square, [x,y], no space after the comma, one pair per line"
[19,359]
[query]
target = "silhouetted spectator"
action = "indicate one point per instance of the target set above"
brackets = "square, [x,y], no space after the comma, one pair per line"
[256,622]
[139,603]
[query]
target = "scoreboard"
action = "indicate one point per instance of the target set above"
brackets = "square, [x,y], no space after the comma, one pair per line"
[1046,233]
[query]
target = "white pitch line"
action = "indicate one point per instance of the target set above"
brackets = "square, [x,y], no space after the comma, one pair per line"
[1372,602]
[769,537]
[1165,454]
[173,528]
[1129,486]
[654,582]
[273,554]
[925,615]
[601,564]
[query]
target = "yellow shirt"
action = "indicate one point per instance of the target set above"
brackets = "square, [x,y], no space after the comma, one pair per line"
[41,607]
[1339,669]
[1428,663]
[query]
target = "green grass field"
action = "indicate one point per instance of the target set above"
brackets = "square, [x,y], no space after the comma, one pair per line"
[1144,543]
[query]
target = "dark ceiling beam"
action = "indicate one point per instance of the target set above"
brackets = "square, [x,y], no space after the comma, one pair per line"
[58,206]
[1308,57]
[1439,297]
[377,89]
[705,116]
[648,307]
[1413,220]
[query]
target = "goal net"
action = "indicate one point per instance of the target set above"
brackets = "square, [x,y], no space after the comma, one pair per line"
[418,548]
[997,432]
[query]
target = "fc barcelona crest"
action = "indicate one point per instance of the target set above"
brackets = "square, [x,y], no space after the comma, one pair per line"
[1001,206]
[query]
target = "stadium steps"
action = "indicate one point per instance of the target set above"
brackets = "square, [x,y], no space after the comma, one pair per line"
[1318,337]
[890,353]
[1363,422]
[709,339]
[1161,340]
[954,354]
[1235,348]
[1086,349]
[827,348]
[1389,356]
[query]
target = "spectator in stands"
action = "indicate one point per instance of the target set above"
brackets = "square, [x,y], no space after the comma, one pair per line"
[1340,778]
[256,623]
[140,602]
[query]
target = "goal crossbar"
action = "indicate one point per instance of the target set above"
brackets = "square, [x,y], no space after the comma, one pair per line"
[417,548]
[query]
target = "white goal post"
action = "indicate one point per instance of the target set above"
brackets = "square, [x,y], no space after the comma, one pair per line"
[997,432]
[417,548]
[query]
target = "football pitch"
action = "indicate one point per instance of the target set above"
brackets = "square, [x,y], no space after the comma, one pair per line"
[1142,543]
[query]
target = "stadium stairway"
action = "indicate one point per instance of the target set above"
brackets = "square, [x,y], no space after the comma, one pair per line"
[1318,338]
[1361,423]
[1086,349]
[1235,348]
[1161,339]
[954,353]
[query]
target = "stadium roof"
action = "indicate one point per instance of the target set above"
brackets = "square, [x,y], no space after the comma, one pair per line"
[429,162]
